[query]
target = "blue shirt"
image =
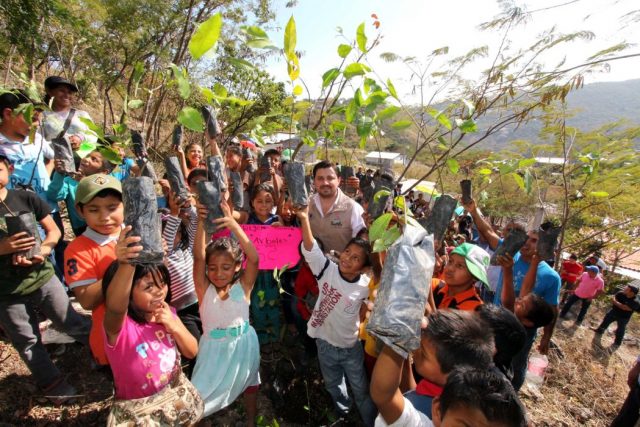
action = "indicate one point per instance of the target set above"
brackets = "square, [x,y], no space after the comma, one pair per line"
[123,170]
[547,281]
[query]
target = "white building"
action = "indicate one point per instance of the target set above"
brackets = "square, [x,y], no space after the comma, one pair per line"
[384,159]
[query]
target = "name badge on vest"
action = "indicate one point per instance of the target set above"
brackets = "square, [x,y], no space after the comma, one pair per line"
[336,222]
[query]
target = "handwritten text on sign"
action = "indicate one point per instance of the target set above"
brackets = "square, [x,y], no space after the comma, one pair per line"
[276,246]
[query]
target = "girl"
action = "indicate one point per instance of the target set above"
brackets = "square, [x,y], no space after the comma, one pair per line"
[230,356]
[178,232]
[142,338]
[265,298]
[191,158]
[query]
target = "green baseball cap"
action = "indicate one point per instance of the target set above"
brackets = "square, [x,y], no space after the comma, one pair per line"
[476,258]
[91,185]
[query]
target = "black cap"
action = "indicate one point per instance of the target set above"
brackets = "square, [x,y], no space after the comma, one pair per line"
[53,82]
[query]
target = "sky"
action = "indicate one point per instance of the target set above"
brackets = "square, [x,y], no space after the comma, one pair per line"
[417,27]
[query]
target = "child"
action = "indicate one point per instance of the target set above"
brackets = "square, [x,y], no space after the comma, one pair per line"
[229,351]
[588,287]
[29,284]
[142,337]
[178,232]
[192,159]
[99,203]
[451,340]
[64,187]
[467,264]
[569,272]
[336,318]
[624,304]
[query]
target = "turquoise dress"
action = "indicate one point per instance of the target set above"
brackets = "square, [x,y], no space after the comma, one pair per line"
[229,354]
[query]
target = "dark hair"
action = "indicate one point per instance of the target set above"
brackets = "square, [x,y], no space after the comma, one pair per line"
[107,166]
[186,149]
[13,99]
[103,194]
[262,187]
[460,339]
[227,246]
[541,313]
[157,271]
[272,152]
[573,256]
[509,335]
[196,173]
[6,161]
[633,288]
[485,390]
[234,149]
[365,246]
[323,164]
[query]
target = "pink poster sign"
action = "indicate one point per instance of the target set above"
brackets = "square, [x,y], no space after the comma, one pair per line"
[276,246]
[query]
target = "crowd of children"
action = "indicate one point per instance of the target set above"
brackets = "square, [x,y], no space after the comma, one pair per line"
[210,304]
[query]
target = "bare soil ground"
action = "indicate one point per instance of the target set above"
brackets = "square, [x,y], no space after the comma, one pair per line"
[585,385]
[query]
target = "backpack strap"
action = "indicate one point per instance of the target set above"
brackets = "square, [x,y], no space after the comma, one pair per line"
[67,123]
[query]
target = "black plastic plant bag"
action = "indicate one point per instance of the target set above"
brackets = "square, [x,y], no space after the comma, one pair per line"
[138,145]
[367,188]
[246,153]
[62,151]
[215,172]
[24,222]
[378,201]
[210,119]
[294,174]
[210,196]
[511,244]
[176,178]
[404,290]
[237,196]
[176,137]
[265,165]
[547,242]
[147,169]
[465,188]
[141,213]
[440,217]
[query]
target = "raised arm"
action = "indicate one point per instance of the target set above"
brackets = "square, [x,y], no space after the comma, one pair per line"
[119,291]
[305,227]
[508,295]
[484,228]
[199,246]
[529,280]
[385,385]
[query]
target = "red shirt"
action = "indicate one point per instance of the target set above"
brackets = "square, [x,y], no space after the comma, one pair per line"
[305,286]
[570,271]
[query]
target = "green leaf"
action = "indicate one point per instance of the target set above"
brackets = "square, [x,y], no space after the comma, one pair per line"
[293,67]
[344,50]
[391,235]
[94,128]
[338,126]
[119,128]
[398,202]
[518,179]
[440,117]
[329,76]
[470,107]
[401,124]
[528,181]
[290,39]
[180,75]
[219,90]
[241,63]
[361,38]
[355,69]
[297,90]
[484,171]
[254,31]
[466,126]
[205,36]
[138,71]
[364,126]
[191,119]
[261,44]
[378,246]
[363,142]
[392,89]
[135,104]
[379,194]
[599,194]
[453,165]
[350,112]
[110,154]
[387,112]
[358,98]
[208,94]
[525,163]
[379,226]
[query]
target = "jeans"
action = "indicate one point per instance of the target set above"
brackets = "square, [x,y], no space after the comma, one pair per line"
[335,364]
[572,299]
[521,360]
[611,317]
[20,322]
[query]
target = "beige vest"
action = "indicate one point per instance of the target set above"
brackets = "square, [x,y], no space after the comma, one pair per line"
[334,229]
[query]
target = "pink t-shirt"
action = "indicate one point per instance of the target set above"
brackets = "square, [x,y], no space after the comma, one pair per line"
[589,287]
[144,359]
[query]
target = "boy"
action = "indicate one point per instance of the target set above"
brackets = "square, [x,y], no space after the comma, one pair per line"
[452,339]
[64,187]
[335,319]
[467,264]
[99,203]
[31,283]
[569,272]
[624,304]
[588,287]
